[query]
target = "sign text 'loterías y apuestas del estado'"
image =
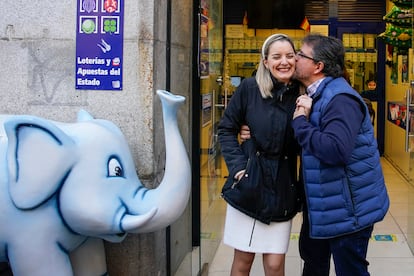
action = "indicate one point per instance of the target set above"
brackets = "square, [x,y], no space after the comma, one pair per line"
[99,44]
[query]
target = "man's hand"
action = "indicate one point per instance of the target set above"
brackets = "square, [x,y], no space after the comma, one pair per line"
[244,133]
[303,106]
[299,111]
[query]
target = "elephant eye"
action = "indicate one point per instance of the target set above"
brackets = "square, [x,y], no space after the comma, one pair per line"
[115,168]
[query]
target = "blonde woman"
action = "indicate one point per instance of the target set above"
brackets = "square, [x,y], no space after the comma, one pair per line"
[265,103]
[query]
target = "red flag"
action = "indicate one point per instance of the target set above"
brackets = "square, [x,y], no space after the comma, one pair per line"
[305,25]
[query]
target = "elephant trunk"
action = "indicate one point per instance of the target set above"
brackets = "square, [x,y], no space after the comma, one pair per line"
[171,196]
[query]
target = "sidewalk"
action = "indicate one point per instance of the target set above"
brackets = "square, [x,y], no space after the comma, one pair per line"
[388,252]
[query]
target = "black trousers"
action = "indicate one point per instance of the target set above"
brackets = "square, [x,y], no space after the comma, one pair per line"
[348,251]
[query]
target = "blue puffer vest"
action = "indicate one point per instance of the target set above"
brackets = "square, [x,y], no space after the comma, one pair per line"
[347,198]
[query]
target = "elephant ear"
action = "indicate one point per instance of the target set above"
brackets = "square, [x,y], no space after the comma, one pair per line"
[39,157]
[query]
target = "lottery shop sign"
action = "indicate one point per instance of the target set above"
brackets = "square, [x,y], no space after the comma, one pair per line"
[99,44]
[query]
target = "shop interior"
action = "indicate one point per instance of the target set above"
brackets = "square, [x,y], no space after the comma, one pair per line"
[380,66]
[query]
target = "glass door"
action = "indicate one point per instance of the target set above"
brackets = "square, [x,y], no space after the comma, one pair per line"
[211,164]
[366,68]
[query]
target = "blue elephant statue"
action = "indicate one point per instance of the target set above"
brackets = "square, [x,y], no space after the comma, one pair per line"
[67,185]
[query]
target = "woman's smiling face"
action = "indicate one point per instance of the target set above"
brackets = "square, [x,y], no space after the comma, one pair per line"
[281,61]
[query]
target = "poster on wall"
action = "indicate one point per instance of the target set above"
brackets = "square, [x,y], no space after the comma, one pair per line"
[99,44]
[203,50]
[206,109]
[397,113]
[204,47]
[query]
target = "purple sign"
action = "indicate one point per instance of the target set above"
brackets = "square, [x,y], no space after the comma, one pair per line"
[99,43]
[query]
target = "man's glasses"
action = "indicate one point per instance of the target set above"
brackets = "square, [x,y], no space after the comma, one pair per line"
[305,56]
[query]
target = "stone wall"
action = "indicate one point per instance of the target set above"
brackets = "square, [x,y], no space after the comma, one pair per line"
[37,77]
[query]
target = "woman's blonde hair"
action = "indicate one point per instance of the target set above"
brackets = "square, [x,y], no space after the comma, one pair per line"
[263,75]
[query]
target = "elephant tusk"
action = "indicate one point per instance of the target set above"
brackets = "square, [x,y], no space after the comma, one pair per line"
[130,222]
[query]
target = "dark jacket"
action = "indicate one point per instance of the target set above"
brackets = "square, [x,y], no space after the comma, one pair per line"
[345,190]
[269,121]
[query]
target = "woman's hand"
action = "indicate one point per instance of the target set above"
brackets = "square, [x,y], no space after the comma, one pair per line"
[303,106]
[239,175]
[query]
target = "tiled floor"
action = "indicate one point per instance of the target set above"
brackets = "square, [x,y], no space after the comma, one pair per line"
[389,252]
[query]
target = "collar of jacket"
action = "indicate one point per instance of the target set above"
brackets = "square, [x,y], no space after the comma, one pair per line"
[279,88]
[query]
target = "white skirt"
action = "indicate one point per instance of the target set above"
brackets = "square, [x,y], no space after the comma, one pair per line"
[247,234]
